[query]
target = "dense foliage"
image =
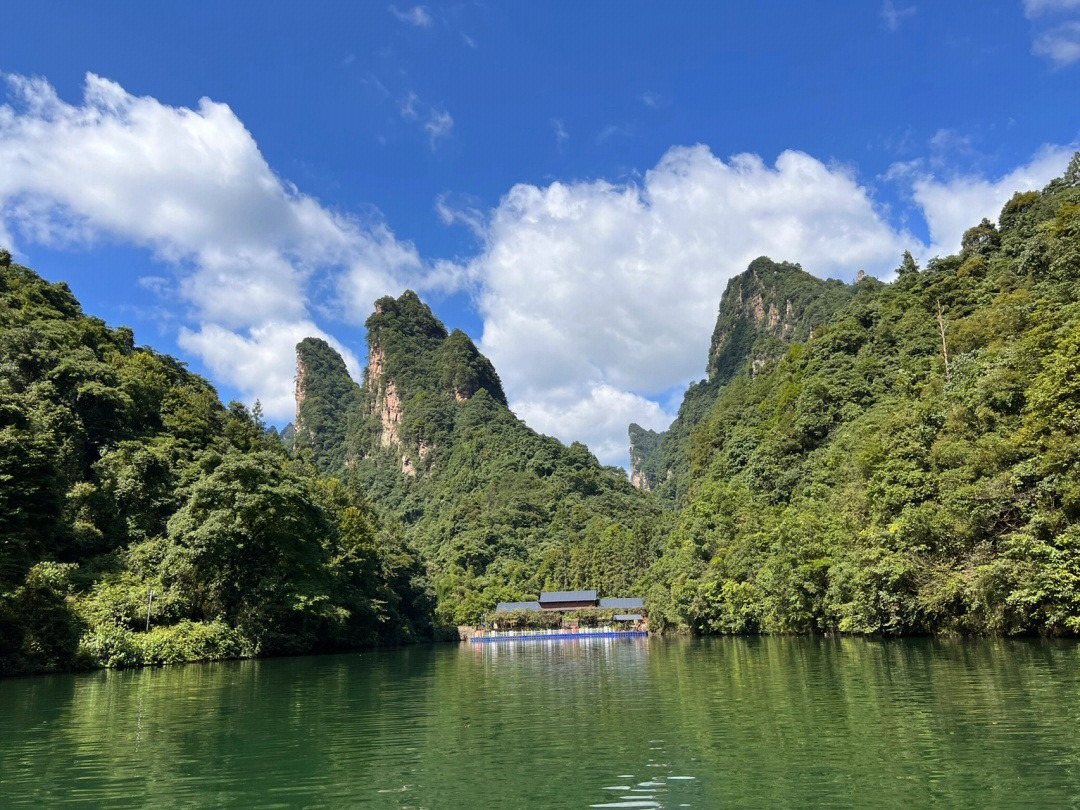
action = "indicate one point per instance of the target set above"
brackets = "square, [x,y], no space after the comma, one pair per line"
[912,467]
[863,458]
[498,511]
[122,472]
[322,404]
[763,311]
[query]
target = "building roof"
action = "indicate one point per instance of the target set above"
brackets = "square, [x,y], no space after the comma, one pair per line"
[508,607]
[627,617]
[624,603]
[568,596]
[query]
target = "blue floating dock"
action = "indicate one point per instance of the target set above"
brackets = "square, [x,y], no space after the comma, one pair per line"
[560,636]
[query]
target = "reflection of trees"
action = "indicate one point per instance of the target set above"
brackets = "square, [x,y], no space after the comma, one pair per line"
[759,721]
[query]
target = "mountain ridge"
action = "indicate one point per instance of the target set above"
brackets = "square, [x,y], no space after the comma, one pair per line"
[762,310]
[506,512]
[878,459]
[912,467]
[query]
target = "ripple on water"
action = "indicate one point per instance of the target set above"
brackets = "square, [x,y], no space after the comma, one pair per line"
[838,723]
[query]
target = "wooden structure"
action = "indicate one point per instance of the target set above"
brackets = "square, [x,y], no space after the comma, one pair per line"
[574,600]
[568,600]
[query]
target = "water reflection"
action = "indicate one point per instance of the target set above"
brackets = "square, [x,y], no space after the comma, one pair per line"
[784,722]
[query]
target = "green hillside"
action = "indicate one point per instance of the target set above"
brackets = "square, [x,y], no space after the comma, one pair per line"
[762,311]
[911,467]
[122,472]
[499,511]
[862,458]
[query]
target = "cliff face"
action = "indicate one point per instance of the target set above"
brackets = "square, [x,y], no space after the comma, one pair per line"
[763,310]
[416,374]
[643,444]
[766,306]
[386,403]
[912,467]
[325,394]
[495,507]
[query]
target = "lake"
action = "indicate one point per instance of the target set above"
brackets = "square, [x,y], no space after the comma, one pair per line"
[705,723]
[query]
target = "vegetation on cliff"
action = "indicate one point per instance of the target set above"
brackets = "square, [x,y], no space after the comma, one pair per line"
[497,510]
[912,467]
[121,472]
[864,458]
[763,310]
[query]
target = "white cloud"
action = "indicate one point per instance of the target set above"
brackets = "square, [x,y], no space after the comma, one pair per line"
[437,123]
[598,416]
[408,104]
[945,140]
[596,296]
[417,15]
[1055,30]
[1035,8]
[561,135]
[952,206]
[253,361]
[1060,44]
[460,209]
[892,17]
[623,130]
[192,186]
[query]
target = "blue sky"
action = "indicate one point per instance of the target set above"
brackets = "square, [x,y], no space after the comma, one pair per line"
[572,184]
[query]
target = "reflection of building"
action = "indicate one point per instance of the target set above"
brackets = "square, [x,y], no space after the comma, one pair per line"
[631,606]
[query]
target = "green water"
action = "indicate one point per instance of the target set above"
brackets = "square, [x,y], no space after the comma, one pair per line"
[755,723]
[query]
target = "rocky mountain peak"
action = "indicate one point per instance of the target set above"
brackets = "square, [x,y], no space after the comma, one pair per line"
[773,300]
[324,394]
[643,444]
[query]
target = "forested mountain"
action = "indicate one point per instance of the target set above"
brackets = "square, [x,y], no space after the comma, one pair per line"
[762,311]
[499,511]
[910,466]
[122,472]
[865,458]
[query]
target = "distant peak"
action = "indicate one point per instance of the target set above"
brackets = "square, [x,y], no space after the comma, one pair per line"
[410,349]
[464,371]
[774,300]
[310,345]
[324,391]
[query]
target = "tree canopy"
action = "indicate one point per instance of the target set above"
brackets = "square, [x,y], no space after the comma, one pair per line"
[121,472]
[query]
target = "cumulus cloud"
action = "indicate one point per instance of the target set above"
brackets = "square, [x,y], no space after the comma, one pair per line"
[597,416]
[192,186]
[596,296]
[1055,30]
[952,206]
